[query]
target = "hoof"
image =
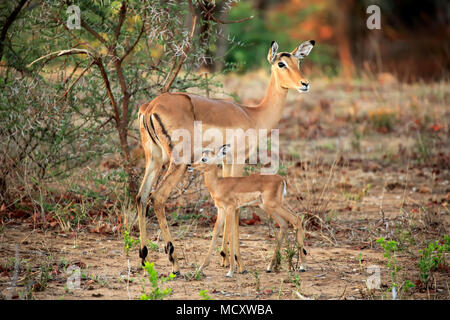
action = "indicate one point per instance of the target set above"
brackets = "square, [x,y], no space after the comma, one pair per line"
[268,271]
[244,272]
[229,275]
[301,269]
[177,274]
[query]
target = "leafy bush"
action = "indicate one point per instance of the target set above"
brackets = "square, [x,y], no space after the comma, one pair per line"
[156,293]
[432,257]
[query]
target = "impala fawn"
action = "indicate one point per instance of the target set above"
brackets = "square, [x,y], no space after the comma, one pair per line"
[231,193]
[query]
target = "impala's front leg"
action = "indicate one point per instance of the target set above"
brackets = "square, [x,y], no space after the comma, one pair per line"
[159,197]
[217,228]
[229,170]
[225,261]
[230,216]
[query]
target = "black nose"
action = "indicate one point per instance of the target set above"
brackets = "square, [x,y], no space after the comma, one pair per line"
[305,84]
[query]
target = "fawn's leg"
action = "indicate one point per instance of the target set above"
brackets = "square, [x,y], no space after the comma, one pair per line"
[230,215]
[275,262]
[217,227]
[297,223]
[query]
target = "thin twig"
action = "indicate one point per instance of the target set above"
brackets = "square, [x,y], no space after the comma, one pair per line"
[176,67]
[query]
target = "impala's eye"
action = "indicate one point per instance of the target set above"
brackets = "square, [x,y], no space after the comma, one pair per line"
[204,160]
[281,64]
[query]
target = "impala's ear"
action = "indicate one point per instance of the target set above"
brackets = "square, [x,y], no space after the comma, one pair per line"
[205,156]
[272,52]
[304,49]
[223,151]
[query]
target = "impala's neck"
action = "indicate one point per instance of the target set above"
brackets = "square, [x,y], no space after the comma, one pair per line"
[269,111]
[211,177]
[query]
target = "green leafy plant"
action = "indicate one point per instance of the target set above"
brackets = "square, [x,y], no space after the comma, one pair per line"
[432,257]
[390,247]
[129,242]
[289,254]
[157,292]
[151,245]
[297,281]
[196,275]
[407,285]
[257,281]
[204,295]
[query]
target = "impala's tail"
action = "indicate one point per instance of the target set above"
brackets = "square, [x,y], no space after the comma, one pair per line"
[285,185]
[151,132]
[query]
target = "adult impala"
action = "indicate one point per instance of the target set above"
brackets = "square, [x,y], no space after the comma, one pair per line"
[170,112]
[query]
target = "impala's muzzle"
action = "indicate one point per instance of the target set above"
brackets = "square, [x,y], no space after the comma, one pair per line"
[304,86]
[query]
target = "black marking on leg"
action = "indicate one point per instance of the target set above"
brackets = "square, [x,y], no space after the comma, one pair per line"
[304,251]
[235,257]
[169,250]
[143,254]
[223,254]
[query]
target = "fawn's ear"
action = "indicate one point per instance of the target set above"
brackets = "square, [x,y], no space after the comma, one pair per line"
[223,151]
[206,153]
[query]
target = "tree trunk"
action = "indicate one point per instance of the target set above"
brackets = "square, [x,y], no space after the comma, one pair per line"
[344,10]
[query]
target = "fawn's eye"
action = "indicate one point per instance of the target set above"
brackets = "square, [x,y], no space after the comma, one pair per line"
[281,64]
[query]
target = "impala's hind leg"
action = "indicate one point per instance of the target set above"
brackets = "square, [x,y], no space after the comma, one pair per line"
[229,219]
[297,223]
[171,178]
[275,261]
[153,165]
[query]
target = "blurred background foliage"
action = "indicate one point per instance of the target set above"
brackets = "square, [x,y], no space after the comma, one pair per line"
[412,42]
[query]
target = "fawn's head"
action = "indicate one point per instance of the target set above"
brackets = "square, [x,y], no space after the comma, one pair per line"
[210,159]
[286,66]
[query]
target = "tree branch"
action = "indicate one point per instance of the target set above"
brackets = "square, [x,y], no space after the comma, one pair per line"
[8,24]
[210,15]
[130,49]
[176,67]
[62,53]
[93,32]
[122,13]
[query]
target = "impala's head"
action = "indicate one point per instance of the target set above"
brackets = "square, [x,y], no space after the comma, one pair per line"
[286,66]
[210,159]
